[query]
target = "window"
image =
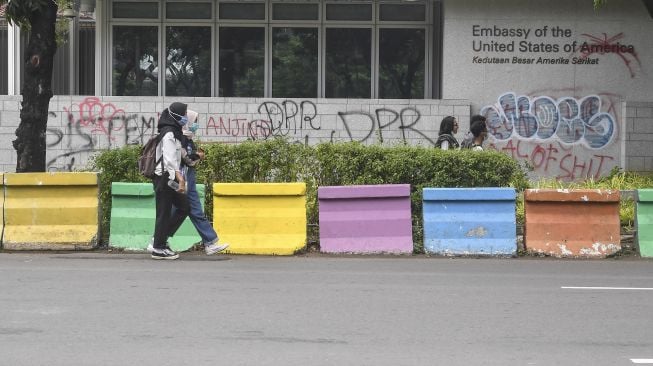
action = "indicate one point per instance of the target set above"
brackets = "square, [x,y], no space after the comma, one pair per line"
[125,10]
[242,61]
[401,63]
[188,61]
[135,60]
[348,63]
[402,12]
[276,48]
[289,11]
[294,62]
[242,11]
[351,12]
[177,10]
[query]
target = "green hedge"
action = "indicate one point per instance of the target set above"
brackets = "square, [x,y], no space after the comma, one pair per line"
[328,164]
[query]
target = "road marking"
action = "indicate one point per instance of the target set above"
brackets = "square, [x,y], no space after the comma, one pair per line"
[642,360]
[609,288]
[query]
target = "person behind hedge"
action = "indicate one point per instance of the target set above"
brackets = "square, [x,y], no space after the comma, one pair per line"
[446,140]
[191,156]
[479,130]
[168,172]
[468,140]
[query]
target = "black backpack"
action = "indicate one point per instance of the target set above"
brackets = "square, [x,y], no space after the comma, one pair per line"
[147,160]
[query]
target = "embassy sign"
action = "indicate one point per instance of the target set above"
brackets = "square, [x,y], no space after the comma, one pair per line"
[545,45]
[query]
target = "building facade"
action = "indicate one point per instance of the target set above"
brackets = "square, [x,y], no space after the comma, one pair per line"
[566,89]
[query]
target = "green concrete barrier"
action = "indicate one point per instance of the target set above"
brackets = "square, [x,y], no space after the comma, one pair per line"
[133,211]
[644,222]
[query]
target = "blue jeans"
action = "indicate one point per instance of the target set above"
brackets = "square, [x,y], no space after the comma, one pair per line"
[196,214]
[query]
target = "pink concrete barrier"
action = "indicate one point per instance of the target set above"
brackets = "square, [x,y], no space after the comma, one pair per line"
[365,219]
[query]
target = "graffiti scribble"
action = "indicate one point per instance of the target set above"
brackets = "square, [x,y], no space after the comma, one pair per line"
[605,45]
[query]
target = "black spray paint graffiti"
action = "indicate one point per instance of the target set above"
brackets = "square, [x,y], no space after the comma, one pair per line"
[289,119]
[407,118]
[92,126]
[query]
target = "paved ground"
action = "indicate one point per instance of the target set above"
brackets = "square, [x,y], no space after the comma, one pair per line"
[99,308]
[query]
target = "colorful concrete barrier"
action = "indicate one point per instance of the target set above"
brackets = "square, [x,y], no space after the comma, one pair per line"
[572,223]
[2,206]
[644,222]
[133,212]
[260,218]
[365,219]
[54,211]
[470,221]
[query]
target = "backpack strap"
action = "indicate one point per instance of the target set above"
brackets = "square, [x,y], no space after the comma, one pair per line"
[159,137]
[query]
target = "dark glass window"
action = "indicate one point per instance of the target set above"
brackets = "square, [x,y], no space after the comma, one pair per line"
[135,69]
[188,61]
[402,12]
[286,11]
[401,63]
[348,12]
[294,62]
[348,62]
[188,10]
[242,57]
[242,11]
[149,10]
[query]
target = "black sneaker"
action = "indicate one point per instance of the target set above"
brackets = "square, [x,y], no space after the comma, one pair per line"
[164,254]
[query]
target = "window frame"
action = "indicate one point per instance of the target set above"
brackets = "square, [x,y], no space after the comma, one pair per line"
[268,24]
[427,56]
[112,56]
[372,61]
[164,40]
[266,58]
[320,55]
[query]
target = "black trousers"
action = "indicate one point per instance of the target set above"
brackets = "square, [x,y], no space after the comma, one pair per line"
[167,223]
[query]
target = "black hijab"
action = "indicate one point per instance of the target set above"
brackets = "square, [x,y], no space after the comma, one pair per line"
[169,122]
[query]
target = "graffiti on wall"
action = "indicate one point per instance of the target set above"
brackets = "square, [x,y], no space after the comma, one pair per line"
[93,125]
[567,137]
[604,44]
[300,122]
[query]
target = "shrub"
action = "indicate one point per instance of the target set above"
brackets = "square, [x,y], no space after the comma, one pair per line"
[328,164]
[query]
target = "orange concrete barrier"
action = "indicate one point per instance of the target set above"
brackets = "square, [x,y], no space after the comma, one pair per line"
[572,223]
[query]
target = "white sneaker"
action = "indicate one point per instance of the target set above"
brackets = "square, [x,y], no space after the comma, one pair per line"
[150,246]
[215,247]
[164,254]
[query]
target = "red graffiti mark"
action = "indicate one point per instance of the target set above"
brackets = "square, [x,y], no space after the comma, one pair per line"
[92,112]
[231,127]
[555,158]
[604,45]
[238,127]
[576,167]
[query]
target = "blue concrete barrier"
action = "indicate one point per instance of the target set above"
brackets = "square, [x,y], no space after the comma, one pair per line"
[470,221]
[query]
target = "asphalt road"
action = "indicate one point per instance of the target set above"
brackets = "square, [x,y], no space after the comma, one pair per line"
[124,309]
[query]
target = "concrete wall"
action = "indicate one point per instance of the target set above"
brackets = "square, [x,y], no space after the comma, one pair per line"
[552,76]
[79,126]
[639,131]
[557,80]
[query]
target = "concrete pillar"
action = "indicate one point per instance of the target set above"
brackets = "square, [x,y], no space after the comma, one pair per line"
[13,62]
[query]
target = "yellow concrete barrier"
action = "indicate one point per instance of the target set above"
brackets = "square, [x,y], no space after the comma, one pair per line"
[260,218]
[51,211]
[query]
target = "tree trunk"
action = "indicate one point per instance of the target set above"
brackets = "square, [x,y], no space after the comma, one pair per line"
[36,91]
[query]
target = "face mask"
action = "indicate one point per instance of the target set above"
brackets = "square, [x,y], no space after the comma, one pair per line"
[182,119]
[194,127]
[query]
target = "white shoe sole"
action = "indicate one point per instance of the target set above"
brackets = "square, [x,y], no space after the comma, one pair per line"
[217,249]
[171,257]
